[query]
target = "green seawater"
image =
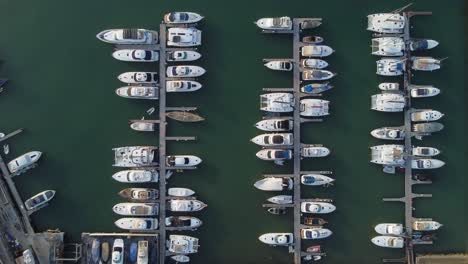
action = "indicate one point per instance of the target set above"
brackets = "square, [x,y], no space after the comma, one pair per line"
[62,91]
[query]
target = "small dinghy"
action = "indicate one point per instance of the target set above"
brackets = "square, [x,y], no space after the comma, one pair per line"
[128,36]
[316,179]
[279,65]
[274,23]
[316,88]
[277,210]
[136,209]
[180,192]
[312,39]
[184,37]
[274,154]
[142,125]
[105,252]
[138,92]
[277,102]
[425,63]
[314,152]
[390,67]
[24,161]
[426,115]
[179,205]
[182,18]
[423,44]
[39,199]
[183,55]
[181,258]
[315,233]
[281,199]
[389,86]
[272,140]
[184,116]
[138,77]
[277,239]
[389,229]
[96,250]
[275,124]
[314,221]
[139,194]
[420,91]
[425,151]
[426,225]
[150,111]
[426,164]
[314,63]
[317,207]
[314,107]
[182,160]
[388,102]
[316,51]
[317,75]
[182,86]
[274,184]
[185,71]
[133,252]
[183,222]
[388,241]
[309,24]
[136,176]
[431,127]
[6,149]
[136,55]
[137,224]
[314,249]
[389,133]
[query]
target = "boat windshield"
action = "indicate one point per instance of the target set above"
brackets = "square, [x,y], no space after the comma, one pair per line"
[277,139]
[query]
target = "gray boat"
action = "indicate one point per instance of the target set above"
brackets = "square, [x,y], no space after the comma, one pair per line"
[431,127]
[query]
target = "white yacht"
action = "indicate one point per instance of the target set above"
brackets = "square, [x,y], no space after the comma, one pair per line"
[181,244]
[314,107]
[138,92]
[275,124]
[425,63]
[272,140]
[184,37]
[136,55]
[426,225]
[183,205]
[182,160]
[128,36]
[316,179]
[274,184]
[317,207]
[182,86]
[390,66]
[277,102]
[392,155]
[274,154]
[185,71]
[426,164]
[425,151]
[24,161]
[423,44]
[180,192]
[316,51]
[388,23]
[317,75]
[143,125]
[388,46]
[135,156]
[389,229]
[281,199]
[388,102]
[136,176]
[420,91]
[277,239]
[275,23]
[39,199]
[388,241]
[279,65]
[389,86]
[314,63]
[315,233]
[426,115]
[389,133]
[136,209]
[182,18]
[137,224]
[138,77]
[315,152]
[182,55]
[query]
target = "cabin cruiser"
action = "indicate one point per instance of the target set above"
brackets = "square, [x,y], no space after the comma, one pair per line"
[314,107]
[425,164]
[182,18]
[185,71]
[39,199]
[137,224]
[426,115]
[24,161]
[182,55]
[136,55]
[389,229]
[182,160]
[143,125]
[317,207]
[281,199]
[310,23]
[425,151]
[277,102]
[184,37]
[388,241]
[389,86]
[136,209]
[142,256]
[272,140]
[182,86]
[138,92]
[314,152]
[388,102]
[317,75]
[183,222]
[128,36]
[390,66]
[139,194]
[275,23]
[387,23]
[423,44]
[316,179]
[181,205]
[181,244]
[275,124]
[392,155]
[425,63]
[315,233]
[136,176]
[277,239]
[388,46]
[426,225]
[135,156]
[419,91]
[180,192]
[316,51]
[426,128]
[389,133]
[314,63]
[312,39]
[316,88]
[274,184]
[275,154]
[279,65]
[138,77]
[118,251]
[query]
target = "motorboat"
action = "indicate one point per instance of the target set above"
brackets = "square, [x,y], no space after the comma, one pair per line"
[277,102]
[317,207]
[317,75]
[180,258]
[388,102]
[277,210]
[314,152]
[277,239]
[425,164]
[136,55]
[136,209]
[423,44]
[314,221]
[137,224]
[182,205]
[138,77]
[426,128]
[316,88]
[28,256]
[182,86]
[105,252]
[314,63]
[138,92]
[142,257]
[275,23]
[135,156]
[426,225]
[316,179]
[392,155]
[182,160]
[95,250]
[314,249]
[316,51]
[183,222]
[118,251]
[133,252]
[389,133]
[387,23]
[274,184]
[310,23]
[426,115]
[425,151]
[315,233]
[182,18]
[180,192]
[181,244]
[139,194]
[24,161]
[312,39]
[185,71]
[420,177]
[275,124]
[142,125]
[182,55]
[281,199]
[136,176]
[6,149]
[273,140]
[184,37]
[274,154]
[389,229]
[425,63]
[184,116]
[389,86]
[128,36]
[390,66]
[388,241]
[420,91]
[279,65]
[39,199]
[314,107]
[388,46]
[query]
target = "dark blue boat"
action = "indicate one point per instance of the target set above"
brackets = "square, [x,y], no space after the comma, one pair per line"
[133,252]
[3,82]
[96,250]
[316,88]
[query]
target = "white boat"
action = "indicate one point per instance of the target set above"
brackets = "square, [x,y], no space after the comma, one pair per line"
[184,37]
[281,199]
[182,86]
[182,160]
[314,152]
[388,23]
[388,102]
[135,156]
[317,207]
[183,222]
[425,151]
[136,176]
[139,194]
[275,124]
[138,77]
[388,241]
[181,205]
[142,256]
[426,115]
[128,36]
[425,63]
[274,154]
[24,161]
[2,135]
[423,44]
[315,233]
[316,179]
[392,155]
[136,209]
[180,192]
[426,225]
[185,71]
[143,125]
[389,229]
[316,51]
[314,63]
[118,251]
[420,91]
[181,258]
[388,46]
[182,18]
[272,140]
[138,92]
[390,66]
[275,23]
[277,102]
[180,244]
[39,199]
[6,149]
[317,75]
[274,184]
[136,55]
[314,107]
[137,224]
[277,239]
[425,164]
[389,86]
[389,133]
[183,55]
[279,65]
